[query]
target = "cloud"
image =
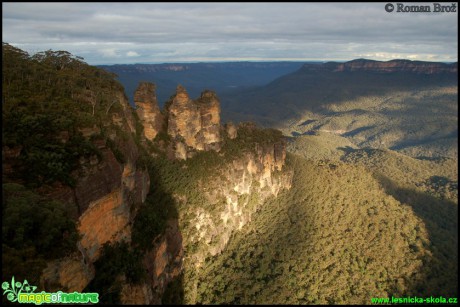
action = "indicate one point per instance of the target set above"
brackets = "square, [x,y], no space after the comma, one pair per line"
[132,54]
[109,53]
[174,32]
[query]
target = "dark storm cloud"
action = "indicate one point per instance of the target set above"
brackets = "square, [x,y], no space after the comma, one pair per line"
[172,32]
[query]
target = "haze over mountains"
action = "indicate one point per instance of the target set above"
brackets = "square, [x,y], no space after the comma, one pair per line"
[220,77]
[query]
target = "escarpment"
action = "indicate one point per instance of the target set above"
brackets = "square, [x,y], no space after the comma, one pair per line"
[108,168]
[231,171]
[249,167]
[392,66]
[108,187]
[234,191]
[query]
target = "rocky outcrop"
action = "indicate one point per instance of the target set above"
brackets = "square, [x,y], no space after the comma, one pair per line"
[164,261]
[233,195]
[69,274]
[209,107]
[361,65]
[231,130]
[97,179]
[147,109]
[184,120]
[105,220]
[193,124]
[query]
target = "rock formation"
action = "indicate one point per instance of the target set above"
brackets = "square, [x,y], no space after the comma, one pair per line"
[193,124]
[109,185]
[147,109]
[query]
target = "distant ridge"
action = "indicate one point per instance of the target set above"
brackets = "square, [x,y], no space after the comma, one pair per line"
[218,76]
[391,66]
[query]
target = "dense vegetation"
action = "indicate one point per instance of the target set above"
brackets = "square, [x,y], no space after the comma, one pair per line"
[47,101]
[420,122]
[34,231]
[50,100]
[336,237]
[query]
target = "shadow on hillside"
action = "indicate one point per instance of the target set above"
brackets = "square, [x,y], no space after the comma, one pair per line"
[174,293]
[358,130]
[136,263]
[348,150]
[159,216]
[439,274]
[311,132]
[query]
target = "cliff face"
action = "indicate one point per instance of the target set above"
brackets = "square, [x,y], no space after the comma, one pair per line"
[227,201]
[228,196]
[184,123]
[209,107]
[193,124]
[231,195]
[103,197]
[163,263]
[147,109]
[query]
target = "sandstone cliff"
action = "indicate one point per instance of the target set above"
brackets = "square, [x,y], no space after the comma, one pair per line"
[193,124]
[103,200]
[163,263]
[147,109]
[105,195]
[109,186]
[235,192]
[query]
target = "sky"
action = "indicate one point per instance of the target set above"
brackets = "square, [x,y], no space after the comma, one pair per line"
[126,33]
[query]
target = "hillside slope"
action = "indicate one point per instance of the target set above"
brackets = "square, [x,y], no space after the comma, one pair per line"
[336,237]
[402,105]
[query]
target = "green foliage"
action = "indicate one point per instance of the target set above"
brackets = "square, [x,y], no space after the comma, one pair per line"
[34,229]
[437,177]
[249,138]
[47,99]
[335,238]
[116,261]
